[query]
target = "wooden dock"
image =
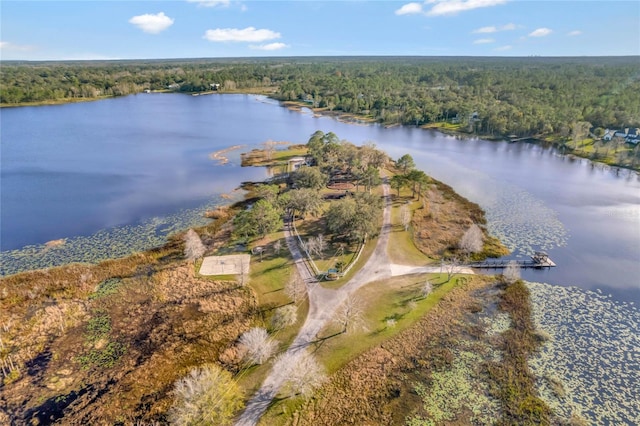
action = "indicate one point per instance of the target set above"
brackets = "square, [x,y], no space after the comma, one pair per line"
[538,261]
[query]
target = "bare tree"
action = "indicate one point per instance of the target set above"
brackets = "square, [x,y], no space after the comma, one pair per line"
[295,288]
[206,396]
[284,316]
[277,246]
[472,240]
[511,273]
[452,266]
[310,245]
[316,245]
[269,148]
[350,315]
[321,245]
[427,288]
[405,214]
[259,347]
[303,373]
[193,247]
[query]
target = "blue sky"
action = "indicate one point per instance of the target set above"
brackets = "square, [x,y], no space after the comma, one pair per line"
[66,30]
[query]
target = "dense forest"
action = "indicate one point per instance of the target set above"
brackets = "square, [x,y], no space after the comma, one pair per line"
[489,96]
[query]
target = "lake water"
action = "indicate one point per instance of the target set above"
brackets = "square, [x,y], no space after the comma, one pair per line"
[110,169]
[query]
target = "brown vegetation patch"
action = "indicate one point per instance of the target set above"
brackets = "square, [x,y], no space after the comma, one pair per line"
[444,218]
[158,327]
[376,388]
[103,344]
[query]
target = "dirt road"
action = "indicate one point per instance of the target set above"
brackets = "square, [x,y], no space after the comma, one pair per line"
[323,303]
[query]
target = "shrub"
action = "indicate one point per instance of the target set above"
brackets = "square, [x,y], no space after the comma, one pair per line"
[259,347]
[284,316]
[206,396]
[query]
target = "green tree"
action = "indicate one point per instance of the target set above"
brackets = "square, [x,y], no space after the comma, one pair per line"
[261,219]
[309,177]
[268,192]
[266,216]
[405,163]
[371,178]
[303,201]
[418,179]
[398,182]
[355,218]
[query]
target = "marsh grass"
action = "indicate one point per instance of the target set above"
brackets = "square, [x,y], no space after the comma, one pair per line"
[511,380]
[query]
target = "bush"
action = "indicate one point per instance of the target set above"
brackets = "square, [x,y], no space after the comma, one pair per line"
[259,347]
[284,316]
[206,396]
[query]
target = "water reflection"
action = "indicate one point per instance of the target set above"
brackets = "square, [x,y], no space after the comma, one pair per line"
[585,214]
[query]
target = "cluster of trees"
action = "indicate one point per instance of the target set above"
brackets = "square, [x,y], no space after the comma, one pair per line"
[522,96]
[355,218]
[409,176]
[352,218]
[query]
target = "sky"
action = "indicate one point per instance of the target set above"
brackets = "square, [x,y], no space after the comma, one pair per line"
[83,30]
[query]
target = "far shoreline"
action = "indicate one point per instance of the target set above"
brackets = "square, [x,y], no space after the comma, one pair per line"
[347,118]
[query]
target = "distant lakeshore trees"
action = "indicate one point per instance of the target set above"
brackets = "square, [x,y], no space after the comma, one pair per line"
[491,96]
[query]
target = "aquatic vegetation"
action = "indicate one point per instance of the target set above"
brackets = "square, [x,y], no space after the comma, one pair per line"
[591,364]
[497,324]
[522,222]
[106,288]
[455,390]
[108,243]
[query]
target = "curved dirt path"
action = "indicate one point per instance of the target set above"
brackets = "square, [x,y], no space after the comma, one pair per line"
[323,303]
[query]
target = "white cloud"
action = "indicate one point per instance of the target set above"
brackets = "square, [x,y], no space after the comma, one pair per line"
[269,46]
[503,48]
[152,24]
[540,32]
[494,29]
[574,33]
[249,34]
[410,9]
[485,30]
[5,45]
[211,3]
[455,6]
[483,41]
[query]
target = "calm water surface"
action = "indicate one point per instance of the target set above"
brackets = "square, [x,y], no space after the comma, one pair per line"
[75,169]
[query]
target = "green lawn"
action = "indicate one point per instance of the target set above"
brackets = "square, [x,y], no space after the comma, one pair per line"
[402,250]
[398,299]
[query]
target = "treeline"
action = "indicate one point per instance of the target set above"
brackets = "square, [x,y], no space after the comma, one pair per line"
[491,96]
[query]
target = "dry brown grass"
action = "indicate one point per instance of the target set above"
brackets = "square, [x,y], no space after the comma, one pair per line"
[445,216]
[167,323]
[159,320]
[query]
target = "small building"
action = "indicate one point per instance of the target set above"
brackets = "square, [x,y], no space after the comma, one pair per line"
[295,163]
[633,136]
[608,135]
[215,86]
[622,133]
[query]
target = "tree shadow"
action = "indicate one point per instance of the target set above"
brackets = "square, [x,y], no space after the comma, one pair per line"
[319,342]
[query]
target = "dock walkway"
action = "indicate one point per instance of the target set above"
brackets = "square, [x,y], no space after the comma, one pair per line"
[539,260]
